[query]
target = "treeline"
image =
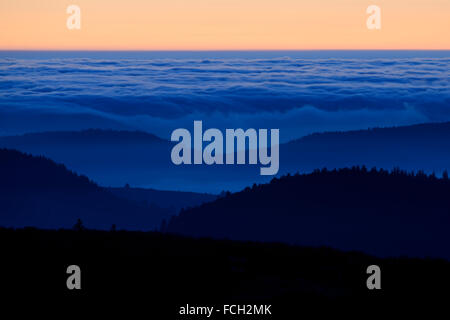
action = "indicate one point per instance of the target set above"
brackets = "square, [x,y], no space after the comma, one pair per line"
[374,210]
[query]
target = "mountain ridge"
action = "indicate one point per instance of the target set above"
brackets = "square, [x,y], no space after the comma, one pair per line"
[36,191]
[146,163]
[376,211]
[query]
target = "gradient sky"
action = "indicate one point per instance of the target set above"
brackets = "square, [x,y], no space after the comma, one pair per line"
[224,25]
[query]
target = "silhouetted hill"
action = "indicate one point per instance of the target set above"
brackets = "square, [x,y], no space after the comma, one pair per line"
[373,211]
[35,191]
[175,200]
[160,273]
[115,158]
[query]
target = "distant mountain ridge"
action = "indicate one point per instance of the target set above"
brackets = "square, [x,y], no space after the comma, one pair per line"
[417,147]
[423,130]
[84,136]
[174,200]
[116,158]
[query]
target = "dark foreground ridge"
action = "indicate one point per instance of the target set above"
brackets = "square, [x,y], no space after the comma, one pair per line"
[374,211]
[161,272]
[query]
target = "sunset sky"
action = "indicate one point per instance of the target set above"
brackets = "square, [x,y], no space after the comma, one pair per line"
[223,25]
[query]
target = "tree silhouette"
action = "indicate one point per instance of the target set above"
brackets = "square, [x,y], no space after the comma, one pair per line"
[163,228]
[79,225]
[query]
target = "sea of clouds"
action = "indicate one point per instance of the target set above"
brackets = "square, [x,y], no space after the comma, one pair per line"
[158,95]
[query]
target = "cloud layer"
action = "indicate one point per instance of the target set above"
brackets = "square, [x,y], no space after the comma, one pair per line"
[298,96]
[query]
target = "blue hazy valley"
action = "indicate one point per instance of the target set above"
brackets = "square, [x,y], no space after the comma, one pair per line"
[92,134]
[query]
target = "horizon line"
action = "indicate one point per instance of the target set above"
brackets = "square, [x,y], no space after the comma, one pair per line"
[211,50]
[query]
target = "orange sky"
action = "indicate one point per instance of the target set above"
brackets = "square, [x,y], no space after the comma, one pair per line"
[224,25]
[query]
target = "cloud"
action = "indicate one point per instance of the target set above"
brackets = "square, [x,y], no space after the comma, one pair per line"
[298,96]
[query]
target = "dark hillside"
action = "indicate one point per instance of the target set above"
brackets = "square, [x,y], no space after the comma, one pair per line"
[379,212]
[159,273]
[35,191]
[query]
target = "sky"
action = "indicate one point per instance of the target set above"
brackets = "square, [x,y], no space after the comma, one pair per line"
[224,25]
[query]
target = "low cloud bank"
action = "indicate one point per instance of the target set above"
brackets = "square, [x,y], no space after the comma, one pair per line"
[299,96]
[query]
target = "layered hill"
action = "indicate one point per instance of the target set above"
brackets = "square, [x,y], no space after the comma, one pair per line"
[115,158]
[35,191]
[375,211]
[174,200]
[417,147]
